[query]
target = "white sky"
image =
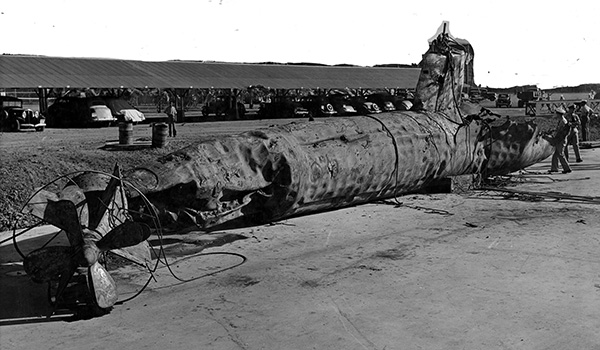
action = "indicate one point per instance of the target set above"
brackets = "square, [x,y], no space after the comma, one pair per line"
[516,42]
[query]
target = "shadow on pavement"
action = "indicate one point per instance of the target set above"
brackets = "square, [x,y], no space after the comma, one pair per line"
[24,301]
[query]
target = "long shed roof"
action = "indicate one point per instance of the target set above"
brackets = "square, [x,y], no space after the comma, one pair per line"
[52,72]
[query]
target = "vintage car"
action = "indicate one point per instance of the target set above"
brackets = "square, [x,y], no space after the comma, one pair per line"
[476,95]
[363,106]
[371,107]
[68,112]
[123,110]
[503,101]
[342,105]
[384,101]
[13,117]
[405,105]
[282,107]
[318,106]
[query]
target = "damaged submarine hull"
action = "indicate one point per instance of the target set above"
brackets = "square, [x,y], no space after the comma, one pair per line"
[305,167]
[299,168]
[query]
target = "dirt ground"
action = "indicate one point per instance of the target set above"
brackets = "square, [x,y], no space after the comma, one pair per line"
[469,270]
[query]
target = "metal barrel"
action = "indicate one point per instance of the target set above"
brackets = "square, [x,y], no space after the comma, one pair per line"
[159,135]
[125,133]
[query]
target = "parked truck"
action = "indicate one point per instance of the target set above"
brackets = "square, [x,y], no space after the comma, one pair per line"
[526,94]
[477,94]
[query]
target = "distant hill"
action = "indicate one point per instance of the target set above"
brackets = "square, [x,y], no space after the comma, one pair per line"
[396,65]
[563,89]
[580,88]
[388,65]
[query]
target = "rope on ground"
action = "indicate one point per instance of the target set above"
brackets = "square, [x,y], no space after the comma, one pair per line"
[416,207]
[542,195]
[527,177]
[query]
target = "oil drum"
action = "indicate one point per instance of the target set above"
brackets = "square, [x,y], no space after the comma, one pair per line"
[126,133]
[159,135]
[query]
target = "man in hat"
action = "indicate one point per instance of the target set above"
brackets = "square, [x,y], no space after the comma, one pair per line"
[560,142]
[573,137]
[585,113]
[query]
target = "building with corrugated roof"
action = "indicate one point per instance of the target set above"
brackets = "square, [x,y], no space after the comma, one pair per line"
[59,72]
[43,73]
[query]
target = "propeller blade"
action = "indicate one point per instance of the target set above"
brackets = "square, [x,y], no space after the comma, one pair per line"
[61,210]
[48,263]
[63,215]
[127,234]
[37,204]
[106,199]
[115,213]
[102,286]
[73,193]
[139,253]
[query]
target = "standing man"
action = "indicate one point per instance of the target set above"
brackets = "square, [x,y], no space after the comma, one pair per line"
[560,142]
[573,137]
[585,114]
[171,115]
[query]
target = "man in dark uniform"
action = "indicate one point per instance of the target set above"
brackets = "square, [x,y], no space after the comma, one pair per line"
[573,137]
[585,114]
[560,142]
